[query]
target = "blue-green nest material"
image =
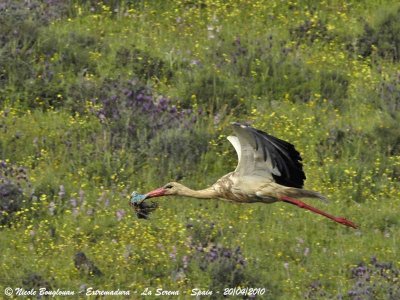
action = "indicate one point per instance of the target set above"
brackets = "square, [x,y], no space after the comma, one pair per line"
[137,198]
[142,208]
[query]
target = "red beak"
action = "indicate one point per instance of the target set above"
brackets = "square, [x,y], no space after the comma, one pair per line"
[156,193]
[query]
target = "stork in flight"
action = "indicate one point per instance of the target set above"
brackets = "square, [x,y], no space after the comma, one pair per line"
[269,170]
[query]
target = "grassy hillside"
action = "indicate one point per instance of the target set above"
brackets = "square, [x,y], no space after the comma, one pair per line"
[98,99]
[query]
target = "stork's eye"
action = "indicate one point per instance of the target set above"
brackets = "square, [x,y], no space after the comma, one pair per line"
[169,186]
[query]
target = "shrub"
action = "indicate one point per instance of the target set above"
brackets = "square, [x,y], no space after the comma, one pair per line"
[311,30]
[227,267]
[35,281]
[13,183]
[211,90]
[385,36]
[388,93]
[375,280]
[178,150]
[20,26]
[136,112]
[141,63]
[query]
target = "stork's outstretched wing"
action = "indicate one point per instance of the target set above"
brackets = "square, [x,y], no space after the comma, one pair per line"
[261,154]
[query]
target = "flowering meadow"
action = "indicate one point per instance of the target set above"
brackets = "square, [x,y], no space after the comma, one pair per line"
[102,98]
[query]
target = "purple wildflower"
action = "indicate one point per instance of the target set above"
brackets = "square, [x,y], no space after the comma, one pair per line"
[81,196]
[61,193]
[73,202]
[52,207]
[90,211]
[172,255]
[120,213]
[185,261]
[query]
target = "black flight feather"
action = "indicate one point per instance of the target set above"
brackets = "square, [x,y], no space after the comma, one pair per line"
[284,156]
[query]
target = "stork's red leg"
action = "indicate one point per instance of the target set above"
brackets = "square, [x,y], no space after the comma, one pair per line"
[317,211]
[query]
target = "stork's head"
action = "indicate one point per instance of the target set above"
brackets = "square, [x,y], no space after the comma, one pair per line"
[171,188]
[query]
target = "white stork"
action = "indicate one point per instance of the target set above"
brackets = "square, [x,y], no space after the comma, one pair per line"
[269,170]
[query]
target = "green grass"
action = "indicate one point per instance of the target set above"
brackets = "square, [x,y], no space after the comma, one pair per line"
[107,98]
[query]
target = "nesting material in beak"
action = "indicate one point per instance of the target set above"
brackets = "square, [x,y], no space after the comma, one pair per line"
[141,208]
[137,198]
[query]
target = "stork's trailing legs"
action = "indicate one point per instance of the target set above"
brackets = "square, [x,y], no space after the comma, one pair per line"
[301,204]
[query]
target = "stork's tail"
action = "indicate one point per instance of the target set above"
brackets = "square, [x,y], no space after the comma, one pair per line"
[300,193]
